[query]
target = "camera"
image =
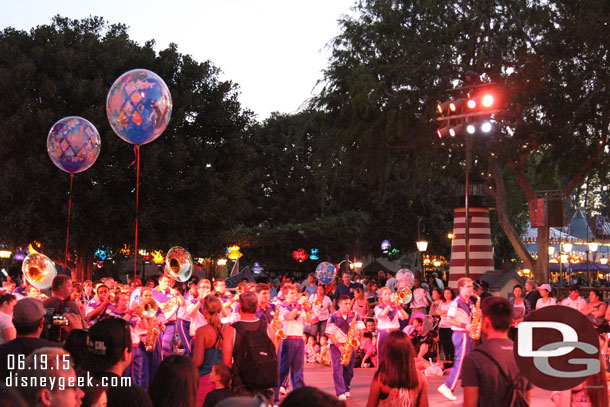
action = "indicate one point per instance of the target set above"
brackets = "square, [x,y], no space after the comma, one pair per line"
[60,320]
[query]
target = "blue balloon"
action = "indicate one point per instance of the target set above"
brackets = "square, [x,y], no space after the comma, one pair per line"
[73,144]
[139,106]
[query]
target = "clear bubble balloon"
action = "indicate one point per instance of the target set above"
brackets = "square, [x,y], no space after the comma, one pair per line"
[73,144]
[139,106]
[325,272]
[405,277]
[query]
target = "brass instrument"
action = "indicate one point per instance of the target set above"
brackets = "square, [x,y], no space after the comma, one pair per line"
[148,309]
[404,295]
[179,264]
[304,300]
[118,288]
[277,325]
[351,343]
[475,333]
[39,270]
[167,306]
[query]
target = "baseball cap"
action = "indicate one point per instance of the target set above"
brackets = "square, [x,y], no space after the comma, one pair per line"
[28,310]
[545,287]
[108,337]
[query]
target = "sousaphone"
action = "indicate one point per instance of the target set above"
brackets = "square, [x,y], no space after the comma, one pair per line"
[179,264]
[39,270]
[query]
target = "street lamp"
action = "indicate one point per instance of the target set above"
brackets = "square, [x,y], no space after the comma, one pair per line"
[591,247]
[422,245]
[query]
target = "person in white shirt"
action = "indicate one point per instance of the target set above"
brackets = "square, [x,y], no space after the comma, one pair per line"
[574,299]
[322,307]
[546,300]
[421,298]
[7,329]
[388,312]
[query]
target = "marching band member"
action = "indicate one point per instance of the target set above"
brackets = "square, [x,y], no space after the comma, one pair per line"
[220,289]
[241,288]
[34,292]
[87,293]
[338,330]
[388,312]
[97,306]
[197,318]
[147,326]
[459,316]
[294,314]
[266,310]
[185,313]
[121,307]
[168,300]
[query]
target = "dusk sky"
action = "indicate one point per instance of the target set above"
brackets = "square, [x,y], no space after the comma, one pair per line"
[274,49]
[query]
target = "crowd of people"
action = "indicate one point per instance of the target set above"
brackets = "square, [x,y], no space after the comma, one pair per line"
[200,344]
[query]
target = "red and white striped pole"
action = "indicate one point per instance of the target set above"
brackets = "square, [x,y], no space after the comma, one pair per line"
[480,257]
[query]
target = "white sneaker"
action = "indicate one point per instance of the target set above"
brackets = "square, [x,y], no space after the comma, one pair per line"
[347,394]
[342,397]
[283,390]
[446,391]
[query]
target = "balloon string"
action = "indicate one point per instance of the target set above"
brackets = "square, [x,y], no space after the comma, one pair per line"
[68,228]
[135,267]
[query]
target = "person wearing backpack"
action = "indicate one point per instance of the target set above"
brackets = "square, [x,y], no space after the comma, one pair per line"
[490,375]
[337,330]
[250,351]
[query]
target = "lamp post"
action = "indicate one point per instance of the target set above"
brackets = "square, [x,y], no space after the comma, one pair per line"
[591,247]
[422,246]
[551,251]
[604,261]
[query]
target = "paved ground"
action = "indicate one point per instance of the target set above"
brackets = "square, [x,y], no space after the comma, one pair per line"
[321,377]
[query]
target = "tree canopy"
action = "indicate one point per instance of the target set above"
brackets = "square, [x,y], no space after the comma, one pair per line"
[395,60]
[192,177]
[361,164]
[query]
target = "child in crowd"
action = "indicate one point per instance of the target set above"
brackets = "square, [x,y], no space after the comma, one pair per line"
[369,350]
[312,350]
[219,377]
[324,356]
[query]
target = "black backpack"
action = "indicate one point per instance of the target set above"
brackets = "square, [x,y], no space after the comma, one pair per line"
[517,386]
[257,358]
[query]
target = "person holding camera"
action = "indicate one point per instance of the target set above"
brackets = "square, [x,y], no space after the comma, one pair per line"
[29,320]
[57,306]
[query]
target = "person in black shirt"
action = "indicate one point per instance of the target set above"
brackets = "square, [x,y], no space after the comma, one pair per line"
[531,294]
[108,355]
[220,376]
[483,381]
[345,287]
[60,304]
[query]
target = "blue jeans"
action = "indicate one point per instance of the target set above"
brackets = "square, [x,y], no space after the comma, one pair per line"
[463,346]
[342,375]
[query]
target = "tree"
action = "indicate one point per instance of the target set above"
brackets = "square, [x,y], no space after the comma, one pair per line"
[190,176]
[395,59]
